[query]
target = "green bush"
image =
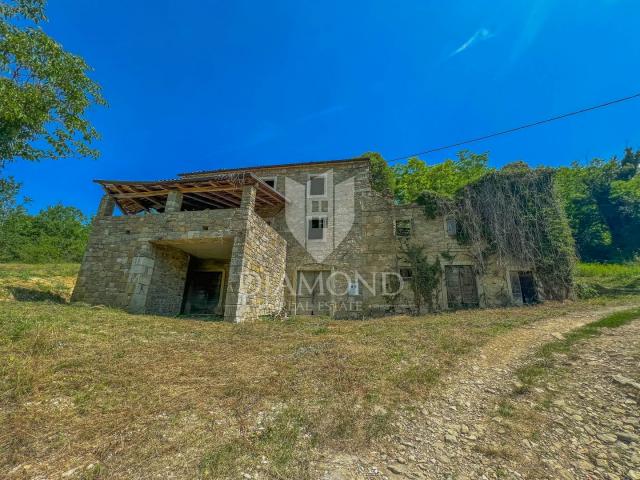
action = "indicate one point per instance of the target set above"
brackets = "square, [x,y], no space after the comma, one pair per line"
[56,234]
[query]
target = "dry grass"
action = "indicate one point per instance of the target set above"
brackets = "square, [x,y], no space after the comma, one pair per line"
[40,282]
[118,395]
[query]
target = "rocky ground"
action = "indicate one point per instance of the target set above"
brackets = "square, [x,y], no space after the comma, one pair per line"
[582,422]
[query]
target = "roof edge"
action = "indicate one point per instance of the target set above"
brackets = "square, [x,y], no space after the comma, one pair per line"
[279,165]
[244,177]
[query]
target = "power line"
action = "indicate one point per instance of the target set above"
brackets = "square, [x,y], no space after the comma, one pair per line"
[522,127]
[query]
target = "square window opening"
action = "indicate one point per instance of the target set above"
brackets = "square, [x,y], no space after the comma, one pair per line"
[317,228]
[271,181]
[319,206]
[403,228]
[406,274]
[317,185]
[451,226]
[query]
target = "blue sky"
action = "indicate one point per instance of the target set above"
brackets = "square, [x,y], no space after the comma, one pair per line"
[199,85]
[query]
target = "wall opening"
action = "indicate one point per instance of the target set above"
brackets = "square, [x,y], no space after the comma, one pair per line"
[203,290]
[523,287]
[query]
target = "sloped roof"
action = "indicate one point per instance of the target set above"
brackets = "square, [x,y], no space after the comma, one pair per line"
[280,165]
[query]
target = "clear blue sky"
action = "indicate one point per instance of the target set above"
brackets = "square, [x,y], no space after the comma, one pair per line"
[207,84]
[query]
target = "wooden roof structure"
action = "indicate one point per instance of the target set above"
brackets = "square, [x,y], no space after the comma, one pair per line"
[203,193]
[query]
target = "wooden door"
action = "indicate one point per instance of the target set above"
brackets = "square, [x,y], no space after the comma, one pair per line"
[462,291]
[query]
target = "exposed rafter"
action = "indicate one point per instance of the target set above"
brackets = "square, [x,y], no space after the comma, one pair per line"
[212,192]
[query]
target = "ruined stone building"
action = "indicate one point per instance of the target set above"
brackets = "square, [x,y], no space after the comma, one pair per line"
[310,238]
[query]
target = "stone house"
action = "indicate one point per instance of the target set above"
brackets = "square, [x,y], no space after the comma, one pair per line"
[308,238]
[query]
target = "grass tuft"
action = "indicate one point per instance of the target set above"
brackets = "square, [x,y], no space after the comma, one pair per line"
[544,359]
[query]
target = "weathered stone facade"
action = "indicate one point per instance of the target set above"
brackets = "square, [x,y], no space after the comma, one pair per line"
[142,262]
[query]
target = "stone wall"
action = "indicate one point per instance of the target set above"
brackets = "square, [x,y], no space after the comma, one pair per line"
[256,275]
[371,247]
[168,281]
[119,261]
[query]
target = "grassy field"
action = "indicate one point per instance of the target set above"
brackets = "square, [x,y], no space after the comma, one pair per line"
[609,279]
[116,395]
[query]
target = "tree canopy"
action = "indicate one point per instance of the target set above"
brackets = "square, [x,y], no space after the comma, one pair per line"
[416,176]
[45,91]
[602,200]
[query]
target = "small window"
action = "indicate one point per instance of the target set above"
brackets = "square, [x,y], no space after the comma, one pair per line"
[406,274]
[451,226]
[403,228]
[317,185]
[354,288]
[319,206]
[271,181]
[317,228]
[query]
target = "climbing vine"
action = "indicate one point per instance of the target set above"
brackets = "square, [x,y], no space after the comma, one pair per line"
[515,216]
[425,280]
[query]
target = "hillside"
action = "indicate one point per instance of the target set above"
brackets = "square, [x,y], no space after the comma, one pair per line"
[93,392]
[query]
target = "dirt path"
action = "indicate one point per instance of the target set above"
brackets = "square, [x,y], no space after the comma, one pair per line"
[459,433]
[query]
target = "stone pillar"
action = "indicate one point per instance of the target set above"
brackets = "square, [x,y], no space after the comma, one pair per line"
[174,202]
[107,204]
[236,299]
[139,280]
[248,197]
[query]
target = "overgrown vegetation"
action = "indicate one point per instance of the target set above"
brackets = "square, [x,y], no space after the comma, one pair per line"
[151,396]
[602,279]
[601,199]
[415,177]
[383,179]
[425,281]
[514,215]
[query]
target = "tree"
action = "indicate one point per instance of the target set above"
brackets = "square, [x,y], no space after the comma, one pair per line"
[9,189]
[55,234]
[44,91]
[383,177]
[446,178]
[602,200]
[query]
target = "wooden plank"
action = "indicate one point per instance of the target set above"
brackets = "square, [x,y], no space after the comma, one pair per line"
[153,193]
[219,199]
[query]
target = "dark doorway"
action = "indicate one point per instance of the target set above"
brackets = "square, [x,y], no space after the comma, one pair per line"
[523,287]
[528,287]
[202,293]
